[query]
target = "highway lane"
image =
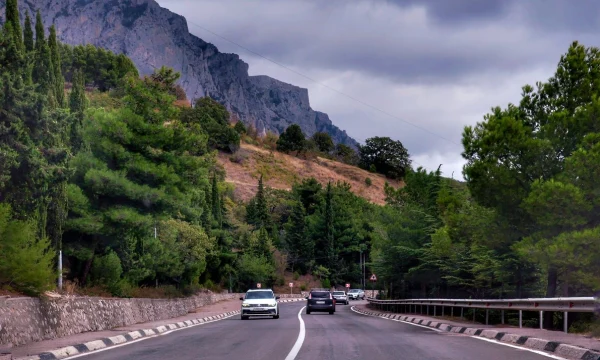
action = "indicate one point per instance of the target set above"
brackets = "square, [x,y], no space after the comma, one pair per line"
[347,335]
[253,339]
[344,335]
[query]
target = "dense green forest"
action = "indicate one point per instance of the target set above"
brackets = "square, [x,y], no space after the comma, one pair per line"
[110,169]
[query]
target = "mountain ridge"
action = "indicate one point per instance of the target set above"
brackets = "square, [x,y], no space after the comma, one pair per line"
[153,36]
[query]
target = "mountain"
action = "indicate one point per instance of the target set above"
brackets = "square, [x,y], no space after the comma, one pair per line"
[153,36]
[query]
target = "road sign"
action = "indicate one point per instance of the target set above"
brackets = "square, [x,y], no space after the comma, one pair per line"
[258,286]
[348,286]
[291,284]
[373,278]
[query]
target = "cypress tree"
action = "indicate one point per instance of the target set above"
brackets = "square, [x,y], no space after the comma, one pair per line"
[42,67]
[12,18]
[59,80]
[28,34]
[77,99]
[261,210]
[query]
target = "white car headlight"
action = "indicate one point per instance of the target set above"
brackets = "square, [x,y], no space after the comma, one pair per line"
[245,305]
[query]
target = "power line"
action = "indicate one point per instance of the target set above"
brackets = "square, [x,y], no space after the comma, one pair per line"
[320,83]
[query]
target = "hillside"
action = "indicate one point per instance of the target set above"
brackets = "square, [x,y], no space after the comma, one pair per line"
[152,36]
[280,171]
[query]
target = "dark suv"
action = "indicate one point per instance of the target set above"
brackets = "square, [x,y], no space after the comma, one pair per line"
[320,300]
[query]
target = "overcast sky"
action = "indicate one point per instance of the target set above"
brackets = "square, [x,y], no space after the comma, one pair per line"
[433,65]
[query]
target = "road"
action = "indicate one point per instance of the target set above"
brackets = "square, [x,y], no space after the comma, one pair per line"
[344,335]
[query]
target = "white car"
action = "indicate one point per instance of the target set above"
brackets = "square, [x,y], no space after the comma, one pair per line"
[340,297]
[260,302]
[355,294]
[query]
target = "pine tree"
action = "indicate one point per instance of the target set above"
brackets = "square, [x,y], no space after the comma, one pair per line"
[28,34]
[12,18]
[299,245]
[59,80]
[42,66]
[216,203]
[264,244]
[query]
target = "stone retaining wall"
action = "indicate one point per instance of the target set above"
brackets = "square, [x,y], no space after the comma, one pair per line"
[25,320]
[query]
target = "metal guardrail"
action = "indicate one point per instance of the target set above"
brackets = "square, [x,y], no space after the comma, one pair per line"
[565,305]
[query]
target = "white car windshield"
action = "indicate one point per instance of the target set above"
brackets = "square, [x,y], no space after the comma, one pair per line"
[339,293]
[259,295]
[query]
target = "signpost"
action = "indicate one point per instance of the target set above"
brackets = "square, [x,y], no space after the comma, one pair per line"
[291,287]
[258,286]
[373,279]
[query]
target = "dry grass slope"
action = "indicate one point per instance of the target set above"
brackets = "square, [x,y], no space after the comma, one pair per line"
[281,171]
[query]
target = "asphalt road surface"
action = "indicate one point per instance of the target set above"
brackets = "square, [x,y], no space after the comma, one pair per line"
[344,335]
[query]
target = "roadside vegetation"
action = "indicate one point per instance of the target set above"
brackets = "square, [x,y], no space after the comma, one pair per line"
[122,174]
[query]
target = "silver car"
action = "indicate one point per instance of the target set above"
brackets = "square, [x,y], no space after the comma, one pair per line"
[355,294]
[340,297]
[260,302]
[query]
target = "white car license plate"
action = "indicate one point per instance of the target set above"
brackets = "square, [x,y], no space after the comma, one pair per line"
[259,309]
[320,302]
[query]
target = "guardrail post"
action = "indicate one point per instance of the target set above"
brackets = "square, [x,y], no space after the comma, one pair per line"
[502,316]
[541,319]
[520,319]
[442,310]
[427,310]
[487,316]
[452,311]
[461,312]
[474,310]
[565,319]
[434,310]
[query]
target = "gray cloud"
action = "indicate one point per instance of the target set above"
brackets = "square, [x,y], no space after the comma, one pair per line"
[439,64]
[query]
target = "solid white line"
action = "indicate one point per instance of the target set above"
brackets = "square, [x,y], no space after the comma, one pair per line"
[146,338]
[296,349]
[539,352]
[396,320]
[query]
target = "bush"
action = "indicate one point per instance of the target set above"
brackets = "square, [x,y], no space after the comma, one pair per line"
[326,284]
[25,261]
[240,128]
[296,275]
[303,287]
[107,270]
[292,139]
[368,181]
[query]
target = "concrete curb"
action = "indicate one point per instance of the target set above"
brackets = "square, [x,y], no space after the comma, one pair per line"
[560,349]
[78,349]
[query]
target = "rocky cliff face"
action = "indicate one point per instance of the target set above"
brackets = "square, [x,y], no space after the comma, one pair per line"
[153,36]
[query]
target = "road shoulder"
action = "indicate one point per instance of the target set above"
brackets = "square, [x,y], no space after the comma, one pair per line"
[569,346]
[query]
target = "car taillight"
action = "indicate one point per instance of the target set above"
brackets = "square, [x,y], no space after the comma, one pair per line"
[309,296]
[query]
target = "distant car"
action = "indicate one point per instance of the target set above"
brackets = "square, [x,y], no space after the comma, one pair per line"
[260,302]
[355,294]
[320,301]
[340,297]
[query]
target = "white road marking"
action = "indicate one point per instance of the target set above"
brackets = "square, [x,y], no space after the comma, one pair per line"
[296,349]
[539,352]
[147,337]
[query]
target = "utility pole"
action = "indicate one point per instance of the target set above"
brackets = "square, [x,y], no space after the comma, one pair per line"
[361,267]
[60,283]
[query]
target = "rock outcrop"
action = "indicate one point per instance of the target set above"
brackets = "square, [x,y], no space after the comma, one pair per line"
[153,36]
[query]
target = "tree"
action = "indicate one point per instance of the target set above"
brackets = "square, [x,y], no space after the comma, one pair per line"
[77,99]
[25,259]
[217,211]
[388,156]
[240,128]
[258,214]
[59,80]
[213,118]
[346,154]
[13,23]
[298,244]
[42,66]
[28,34]
[323,141]
[292,139]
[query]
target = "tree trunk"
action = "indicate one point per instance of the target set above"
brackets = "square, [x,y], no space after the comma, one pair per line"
[88,263]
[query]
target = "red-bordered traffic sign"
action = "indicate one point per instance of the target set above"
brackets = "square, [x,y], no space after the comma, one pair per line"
[348,285]
[373,278]
[258,286]
[291,284]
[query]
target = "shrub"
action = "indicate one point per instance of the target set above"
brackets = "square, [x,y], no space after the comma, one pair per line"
[368,181]
[25,261]
[296,275]
[240,128]
[107,270]
[326,284]
[292,139]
